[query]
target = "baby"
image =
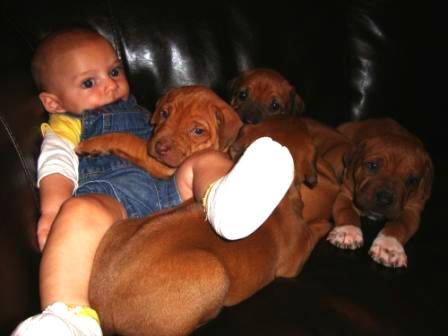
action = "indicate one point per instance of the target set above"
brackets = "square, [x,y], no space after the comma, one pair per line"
[84,89]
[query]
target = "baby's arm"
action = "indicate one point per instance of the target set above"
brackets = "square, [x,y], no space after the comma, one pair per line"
[53,191]
[57,178]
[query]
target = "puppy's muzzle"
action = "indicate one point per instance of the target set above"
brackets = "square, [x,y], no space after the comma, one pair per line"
[384,198]
[382,203]
[162,147]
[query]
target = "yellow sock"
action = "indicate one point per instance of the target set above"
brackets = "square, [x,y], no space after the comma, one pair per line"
[85,311]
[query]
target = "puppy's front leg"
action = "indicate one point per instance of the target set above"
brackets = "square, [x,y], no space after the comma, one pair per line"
[388,247]
[347,232]
[126,146]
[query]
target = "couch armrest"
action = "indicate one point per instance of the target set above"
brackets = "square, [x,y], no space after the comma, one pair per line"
[20,114]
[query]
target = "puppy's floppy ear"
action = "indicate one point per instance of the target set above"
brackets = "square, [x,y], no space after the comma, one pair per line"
[295,106]
[351,158]
[425,186]
[306,169]
[233,86]
[228,124]
[155,118]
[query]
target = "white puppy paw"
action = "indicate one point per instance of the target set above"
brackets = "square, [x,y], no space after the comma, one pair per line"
[346,237]
[388,251]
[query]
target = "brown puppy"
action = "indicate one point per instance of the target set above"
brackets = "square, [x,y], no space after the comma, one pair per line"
[169,273]
[261,93]
[173,273]
[320,185]
[388,177]
[186,120]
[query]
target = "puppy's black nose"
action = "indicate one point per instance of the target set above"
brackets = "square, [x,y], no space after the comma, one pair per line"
[384,197]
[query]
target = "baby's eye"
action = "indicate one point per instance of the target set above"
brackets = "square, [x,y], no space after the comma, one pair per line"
[115,72]
[88,83]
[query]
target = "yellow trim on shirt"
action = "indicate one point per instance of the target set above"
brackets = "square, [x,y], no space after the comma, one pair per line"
[67,127]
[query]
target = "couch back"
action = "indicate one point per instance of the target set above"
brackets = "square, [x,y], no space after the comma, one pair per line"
[164,44]
[336,54]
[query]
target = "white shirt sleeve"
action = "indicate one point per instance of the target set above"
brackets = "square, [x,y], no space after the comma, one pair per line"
[57,156]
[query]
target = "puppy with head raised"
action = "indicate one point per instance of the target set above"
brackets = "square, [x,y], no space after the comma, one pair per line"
[260,93]
[388,177]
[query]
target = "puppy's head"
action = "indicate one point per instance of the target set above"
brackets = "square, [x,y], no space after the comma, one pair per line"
[189,119]
[260,93]
[291,132]
[387,174]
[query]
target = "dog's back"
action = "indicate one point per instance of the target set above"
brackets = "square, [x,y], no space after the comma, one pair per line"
[170,273]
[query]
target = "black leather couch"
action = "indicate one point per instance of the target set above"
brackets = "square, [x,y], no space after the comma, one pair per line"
[348,60]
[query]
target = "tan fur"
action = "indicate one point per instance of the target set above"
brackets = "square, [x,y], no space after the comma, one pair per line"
[169,273]
[186,120]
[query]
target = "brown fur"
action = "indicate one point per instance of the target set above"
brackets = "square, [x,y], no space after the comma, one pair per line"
[169,273]
[388,176]
[260,93]
[318,182]
[186,120]
[256,91]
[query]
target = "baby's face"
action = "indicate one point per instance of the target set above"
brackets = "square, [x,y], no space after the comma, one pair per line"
[88,76]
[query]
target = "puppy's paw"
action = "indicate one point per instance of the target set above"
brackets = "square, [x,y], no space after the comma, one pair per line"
[388,251]
[88,147]
[346,237]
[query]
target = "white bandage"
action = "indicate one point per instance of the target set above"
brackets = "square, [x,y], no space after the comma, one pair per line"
[241,201]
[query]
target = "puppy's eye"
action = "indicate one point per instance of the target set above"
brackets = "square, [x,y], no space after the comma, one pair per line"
[198,131]
[412,181]
[164,114]
[275,106]
[243,94]
[372,166]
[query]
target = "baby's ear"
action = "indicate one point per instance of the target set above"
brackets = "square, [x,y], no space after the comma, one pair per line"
[51,102]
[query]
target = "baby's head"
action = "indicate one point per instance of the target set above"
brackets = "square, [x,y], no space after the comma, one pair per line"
[78,69]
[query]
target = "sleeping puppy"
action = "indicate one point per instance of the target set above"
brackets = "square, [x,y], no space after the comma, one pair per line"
[388,177]
[261,93]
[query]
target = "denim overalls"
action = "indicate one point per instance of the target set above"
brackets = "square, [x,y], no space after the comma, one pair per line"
[140,193]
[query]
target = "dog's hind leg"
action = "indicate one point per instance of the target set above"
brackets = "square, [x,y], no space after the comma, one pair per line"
[185,289]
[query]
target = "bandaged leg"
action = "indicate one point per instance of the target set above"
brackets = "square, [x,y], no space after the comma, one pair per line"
[240,202]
